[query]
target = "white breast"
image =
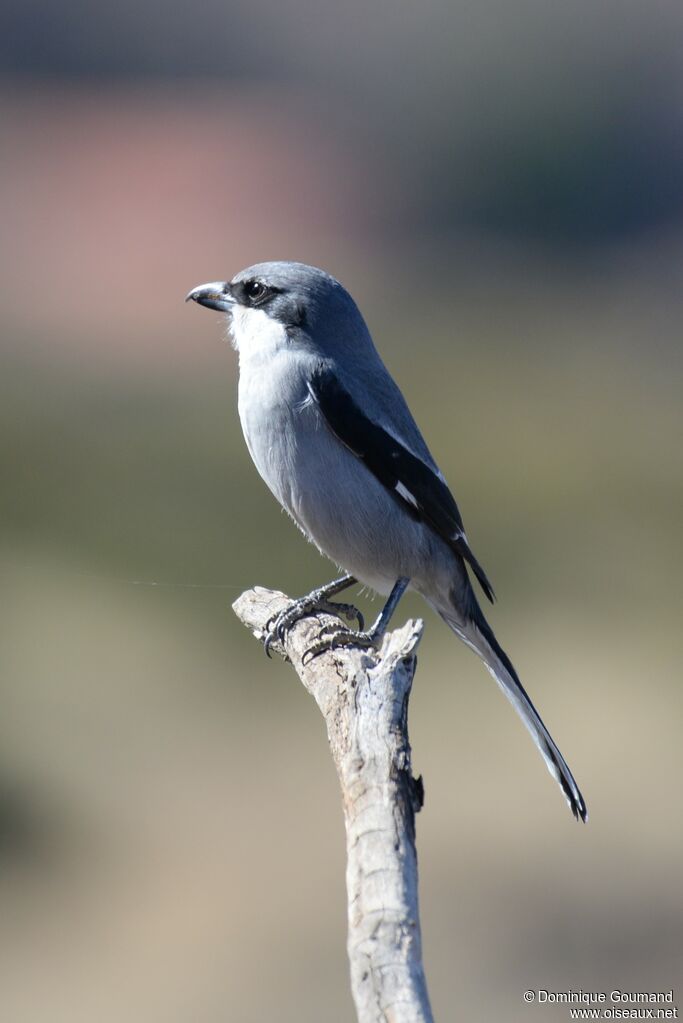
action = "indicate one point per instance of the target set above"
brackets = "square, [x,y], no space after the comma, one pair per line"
[255,335]
[272,389]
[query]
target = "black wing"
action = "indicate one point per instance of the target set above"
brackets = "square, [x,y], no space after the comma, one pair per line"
[420,489]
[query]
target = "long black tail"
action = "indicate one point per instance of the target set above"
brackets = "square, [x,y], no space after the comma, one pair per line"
[478,635]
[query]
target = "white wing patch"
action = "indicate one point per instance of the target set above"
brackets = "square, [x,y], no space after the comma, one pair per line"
[405,494]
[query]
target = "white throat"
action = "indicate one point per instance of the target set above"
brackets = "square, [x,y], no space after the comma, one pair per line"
[255,335]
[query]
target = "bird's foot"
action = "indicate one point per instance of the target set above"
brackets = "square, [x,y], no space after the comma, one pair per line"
[342,638]
[365,640]
[278,626]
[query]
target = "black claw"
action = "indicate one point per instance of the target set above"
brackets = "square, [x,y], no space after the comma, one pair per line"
[350,612]
[279,625]
[364,640]
[268,635]
[276,629]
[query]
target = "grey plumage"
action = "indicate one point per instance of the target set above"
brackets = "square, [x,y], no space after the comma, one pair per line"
[333,438]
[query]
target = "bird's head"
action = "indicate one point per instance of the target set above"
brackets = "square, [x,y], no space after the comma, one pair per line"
[280,302]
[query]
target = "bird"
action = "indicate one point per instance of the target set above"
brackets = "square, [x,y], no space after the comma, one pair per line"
[332,436]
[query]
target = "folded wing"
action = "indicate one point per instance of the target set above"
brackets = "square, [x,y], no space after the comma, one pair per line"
[419,486]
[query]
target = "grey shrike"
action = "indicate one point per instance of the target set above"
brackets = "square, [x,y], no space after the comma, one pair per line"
[331,434]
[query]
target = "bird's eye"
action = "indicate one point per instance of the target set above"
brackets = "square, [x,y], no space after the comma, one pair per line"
[254,290]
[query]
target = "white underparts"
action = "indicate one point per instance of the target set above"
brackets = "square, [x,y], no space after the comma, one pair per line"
[254,333]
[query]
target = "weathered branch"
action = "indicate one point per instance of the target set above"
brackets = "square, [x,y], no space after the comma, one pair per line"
[363,697]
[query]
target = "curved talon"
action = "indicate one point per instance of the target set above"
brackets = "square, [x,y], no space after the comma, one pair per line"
[313,649]
[276,629]
[281,631]
[268,640]
[278,625]
[329,627]
[269,634]
[351,612]
[339,638]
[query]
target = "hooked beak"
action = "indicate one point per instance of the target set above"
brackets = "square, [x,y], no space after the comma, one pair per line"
[214,296]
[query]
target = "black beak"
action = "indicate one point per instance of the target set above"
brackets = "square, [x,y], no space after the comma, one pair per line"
[214,296]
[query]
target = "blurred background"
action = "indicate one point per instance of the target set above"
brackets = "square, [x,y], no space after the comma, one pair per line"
[501,189]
